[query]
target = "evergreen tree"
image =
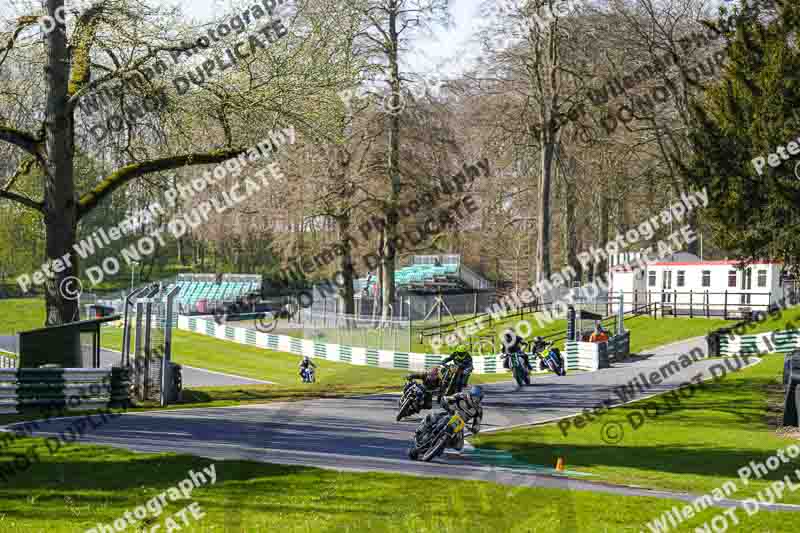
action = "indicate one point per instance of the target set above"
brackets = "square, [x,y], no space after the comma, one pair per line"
[751,112]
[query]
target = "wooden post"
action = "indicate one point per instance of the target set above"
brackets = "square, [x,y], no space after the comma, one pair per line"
[675,304]
[691,305]
[725,308]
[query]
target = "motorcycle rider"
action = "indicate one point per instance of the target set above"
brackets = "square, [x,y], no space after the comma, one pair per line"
[304,364]
[431,380]
[463,362]
[467,405]
[513,343]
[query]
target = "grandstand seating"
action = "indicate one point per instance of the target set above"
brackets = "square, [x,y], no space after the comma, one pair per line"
[193,291]
[422,276]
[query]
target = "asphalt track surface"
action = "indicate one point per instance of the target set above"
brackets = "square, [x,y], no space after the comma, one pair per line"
[192,377]
[360,434]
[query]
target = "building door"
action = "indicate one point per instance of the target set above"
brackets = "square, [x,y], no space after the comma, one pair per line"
[666,285]
[747,284]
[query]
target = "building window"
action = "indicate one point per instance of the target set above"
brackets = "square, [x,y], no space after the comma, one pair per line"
[762,278]
[681,278]
[706,278]
[732,279]
[651,278]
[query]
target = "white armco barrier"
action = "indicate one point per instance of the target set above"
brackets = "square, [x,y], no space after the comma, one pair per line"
[590,356]
[354,355]
[785,341]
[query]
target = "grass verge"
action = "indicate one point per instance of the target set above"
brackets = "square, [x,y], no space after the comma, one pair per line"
[21,314]
[695,447]
[81,486]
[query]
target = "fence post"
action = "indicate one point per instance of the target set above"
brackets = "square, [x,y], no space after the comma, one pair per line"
[691,305]
[725,308]
[475,303]
[675,304]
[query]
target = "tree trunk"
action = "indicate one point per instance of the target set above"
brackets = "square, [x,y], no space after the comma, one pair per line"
[602,265]
[60,206]
[389,249]
[570,229]
[543,242]
[346,265]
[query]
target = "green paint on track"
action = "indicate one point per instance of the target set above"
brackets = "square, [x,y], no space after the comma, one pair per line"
[502,459]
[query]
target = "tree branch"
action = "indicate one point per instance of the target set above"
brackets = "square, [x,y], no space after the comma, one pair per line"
[21,139]
[27,202]
[22,23]
[23,169]
[120,177]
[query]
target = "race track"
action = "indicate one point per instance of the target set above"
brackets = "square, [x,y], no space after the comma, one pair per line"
[360,434]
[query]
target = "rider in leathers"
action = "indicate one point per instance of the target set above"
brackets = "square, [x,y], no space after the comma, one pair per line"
[467,405]
[431,380]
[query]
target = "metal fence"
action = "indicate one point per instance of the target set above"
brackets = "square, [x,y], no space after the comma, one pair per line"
[726,305]
[349,330]
[147,343]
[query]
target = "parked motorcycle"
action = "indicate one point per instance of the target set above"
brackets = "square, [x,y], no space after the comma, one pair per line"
[309,375]
[412,400]
[430,442]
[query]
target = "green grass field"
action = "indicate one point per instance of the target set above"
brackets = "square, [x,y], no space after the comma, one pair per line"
[201,351]
[694,447]
[81,486]
[776,321]
[21,314]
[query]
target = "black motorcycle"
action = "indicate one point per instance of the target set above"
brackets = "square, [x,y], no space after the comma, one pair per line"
[450,377]
[412,400]
[519,369]
[431,441]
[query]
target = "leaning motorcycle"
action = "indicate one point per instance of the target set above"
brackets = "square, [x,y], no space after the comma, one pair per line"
[519,369]
[431,441]
[412,400]
[450,375]
[550,359]
[309,376]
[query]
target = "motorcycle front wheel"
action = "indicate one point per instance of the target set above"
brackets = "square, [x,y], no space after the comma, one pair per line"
[435,450]
[519,376]
[404,409]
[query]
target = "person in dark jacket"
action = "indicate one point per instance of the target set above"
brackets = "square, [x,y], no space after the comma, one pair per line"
[463,362]
[431,380]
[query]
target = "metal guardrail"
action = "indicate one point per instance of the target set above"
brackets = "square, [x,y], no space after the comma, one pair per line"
[8,362]
[76,389]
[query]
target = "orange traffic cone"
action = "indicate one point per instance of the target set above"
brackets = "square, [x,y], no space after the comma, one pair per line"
[560,464]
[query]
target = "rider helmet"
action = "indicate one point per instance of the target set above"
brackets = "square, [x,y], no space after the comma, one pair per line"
[435,373]
[460,353]
[477,393]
